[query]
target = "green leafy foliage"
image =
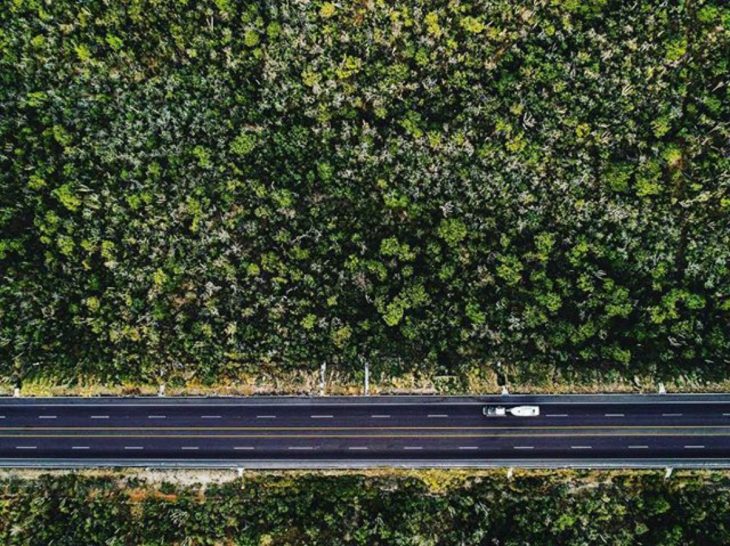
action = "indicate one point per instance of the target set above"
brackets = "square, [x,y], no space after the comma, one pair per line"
[196,190]
[627,509]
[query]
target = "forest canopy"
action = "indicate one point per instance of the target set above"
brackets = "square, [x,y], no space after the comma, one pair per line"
[194,189]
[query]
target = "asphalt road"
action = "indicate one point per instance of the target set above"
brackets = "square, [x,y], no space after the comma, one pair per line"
[613,430]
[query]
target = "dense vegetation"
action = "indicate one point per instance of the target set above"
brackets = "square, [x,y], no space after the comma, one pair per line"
[193,189]
[564,509]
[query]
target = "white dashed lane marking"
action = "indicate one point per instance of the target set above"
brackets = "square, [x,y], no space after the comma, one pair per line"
[243,448]
[468,447]
[671,415]
[580,447]
[380,416]
[100,417]
[133,447]
[156,417]
[614,414]
[300,448]
[556,415]
[412,448]
[524,447]
[321,416]
[266,417]
[46,417]
[25,447]
[79,447]
[694,447]
[638,447]
[437,415]
[189,448]
[357,448]
[210,416]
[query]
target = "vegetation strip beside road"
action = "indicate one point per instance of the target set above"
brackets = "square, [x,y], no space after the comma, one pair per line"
[397,508]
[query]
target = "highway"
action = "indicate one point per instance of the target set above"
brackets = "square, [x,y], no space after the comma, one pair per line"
[291,432]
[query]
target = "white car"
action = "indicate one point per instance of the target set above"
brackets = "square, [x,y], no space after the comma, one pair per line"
[517,411]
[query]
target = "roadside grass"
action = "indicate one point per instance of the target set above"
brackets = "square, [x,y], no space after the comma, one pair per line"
[477,381]
[436,481]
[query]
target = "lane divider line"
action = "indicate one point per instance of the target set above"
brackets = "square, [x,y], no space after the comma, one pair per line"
[99,417]
[581,447]
[694,447]
[321,416]
[437,415]
[46,417]
[133,447]
[524,447]
[243,448]
[638,447]
[614,415]
[335,427]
